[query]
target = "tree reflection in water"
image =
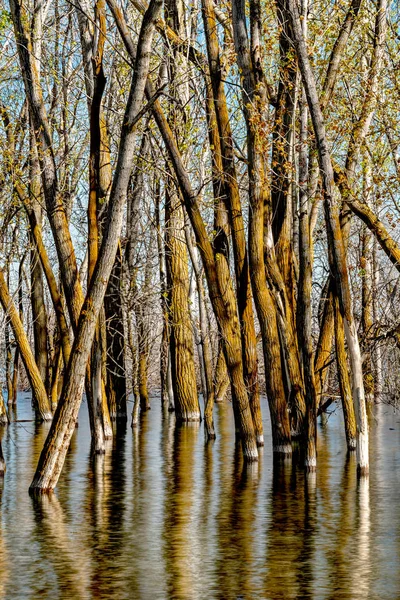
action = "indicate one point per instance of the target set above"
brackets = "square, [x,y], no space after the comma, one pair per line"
[165,514]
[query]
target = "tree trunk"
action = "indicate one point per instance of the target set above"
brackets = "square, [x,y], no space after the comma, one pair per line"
[116,378]
[344,380]
[335,240]
[304,314]
[53,454]
[206,355]
[3,412]
[38,390]
[186,400]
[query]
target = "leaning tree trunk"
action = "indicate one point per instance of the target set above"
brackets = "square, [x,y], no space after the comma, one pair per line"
[56,446]
[38,390]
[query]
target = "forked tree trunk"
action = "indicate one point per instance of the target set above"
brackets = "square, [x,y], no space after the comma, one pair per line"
[262,296]
[56,446]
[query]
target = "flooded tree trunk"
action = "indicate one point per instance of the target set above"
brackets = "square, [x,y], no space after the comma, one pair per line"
[206,355]
[304,309]
[262,296]
[115,339]
[56,446]
[220,290]
[97,405]
[335,240]
[186,400]
[166,400]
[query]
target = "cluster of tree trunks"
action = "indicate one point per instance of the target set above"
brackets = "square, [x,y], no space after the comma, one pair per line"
[254,271]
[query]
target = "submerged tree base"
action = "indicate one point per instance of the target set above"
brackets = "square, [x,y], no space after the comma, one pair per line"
[190,417]
[362,471]
[310,465]
[282,449]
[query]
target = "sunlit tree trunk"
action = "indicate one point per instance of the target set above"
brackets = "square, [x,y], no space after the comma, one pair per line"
[181,337]
[38,390]
[56,446]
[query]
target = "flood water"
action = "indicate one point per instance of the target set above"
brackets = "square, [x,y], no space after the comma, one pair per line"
[164,515]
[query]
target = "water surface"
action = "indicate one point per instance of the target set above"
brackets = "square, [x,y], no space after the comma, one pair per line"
[164,515]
